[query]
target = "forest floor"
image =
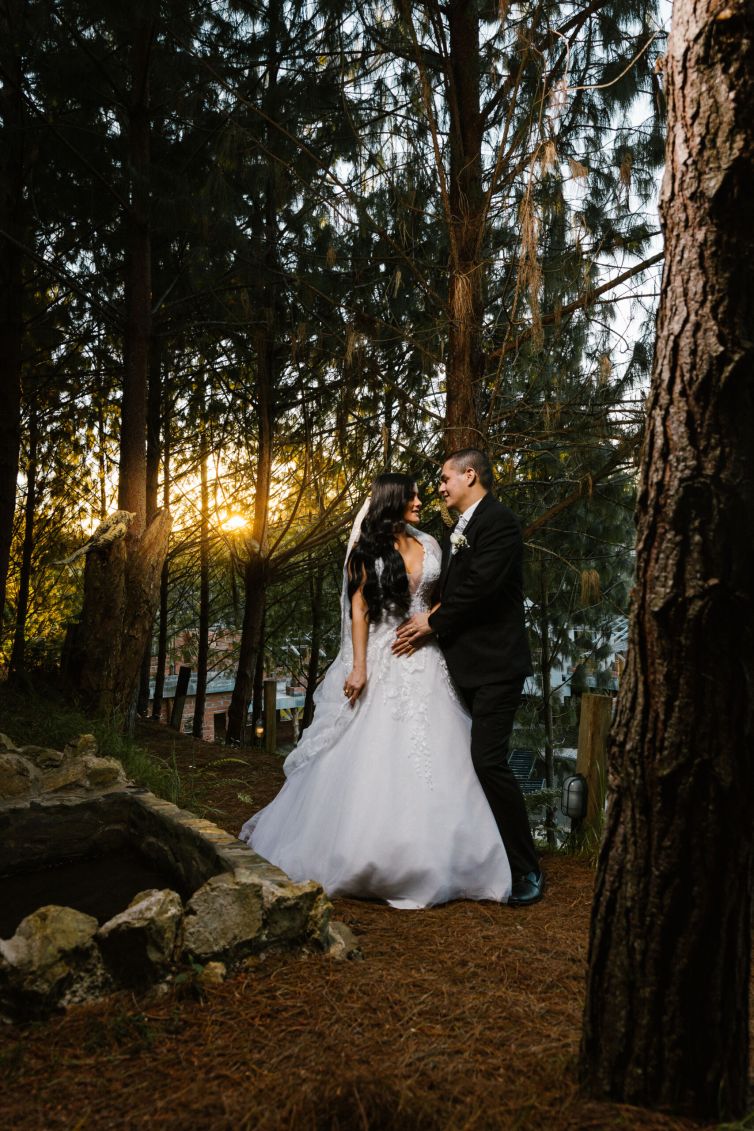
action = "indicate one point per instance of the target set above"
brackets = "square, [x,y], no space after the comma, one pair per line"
[463,1018]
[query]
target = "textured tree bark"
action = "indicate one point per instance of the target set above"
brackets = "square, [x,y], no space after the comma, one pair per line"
[666,1016]
[12,174]
[464,369]
[121,589]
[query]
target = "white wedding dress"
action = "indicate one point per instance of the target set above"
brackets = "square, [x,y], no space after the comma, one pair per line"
[381,799]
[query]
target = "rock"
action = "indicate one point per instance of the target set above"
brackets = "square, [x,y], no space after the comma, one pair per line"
[213,974]
[231,916]
[78,747]
[295,912]
[318,926]
[71,773]
[103,772]
[76,770]
[52,960]
[18,776]
[224,918]
[141,942]
[42,756]
[7,743]
[342,942]
[91,980]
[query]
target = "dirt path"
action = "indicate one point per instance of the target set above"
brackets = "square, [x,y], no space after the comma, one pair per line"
[459,1017]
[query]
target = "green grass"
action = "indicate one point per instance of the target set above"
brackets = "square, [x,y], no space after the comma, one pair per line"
[43,718]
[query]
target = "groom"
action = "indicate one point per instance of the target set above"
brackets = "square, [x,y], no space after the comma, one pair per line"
[479,624]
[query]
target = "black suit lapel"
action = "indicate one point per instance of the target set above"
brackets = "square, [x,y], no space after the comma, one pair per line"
[447,556]
[482,505]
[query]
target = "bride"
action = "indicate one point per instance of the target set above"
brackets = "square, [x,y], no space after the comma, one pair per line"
[381,799]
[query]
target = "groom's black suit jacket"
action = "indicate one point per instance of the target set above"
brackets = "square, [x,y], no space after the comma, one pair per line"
[480,623]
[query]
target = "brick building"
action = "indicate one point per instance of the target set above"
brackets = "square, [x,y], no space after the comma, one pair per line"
[217,701]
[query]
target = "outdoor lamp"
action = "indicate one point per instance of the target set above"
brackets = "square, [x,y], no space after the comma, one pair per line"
[574,796]
[259,731]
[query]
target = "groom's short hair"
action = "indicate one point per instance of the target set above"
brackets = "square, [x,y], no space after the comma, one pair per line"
[477,460]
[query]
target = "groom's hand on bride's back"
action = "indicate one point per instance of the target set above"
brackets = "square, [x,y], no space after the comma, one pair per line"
[411,634]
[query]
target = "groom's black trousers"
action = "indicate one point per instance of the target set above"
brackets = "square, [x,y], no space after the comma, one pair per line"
[493,707]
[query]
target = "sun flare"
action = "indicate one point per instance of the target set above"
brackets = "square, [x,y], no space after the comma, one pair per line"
[234,522]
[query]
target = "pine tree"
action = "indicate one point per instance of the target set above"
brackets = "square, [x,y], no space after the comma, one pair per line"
[666,1017]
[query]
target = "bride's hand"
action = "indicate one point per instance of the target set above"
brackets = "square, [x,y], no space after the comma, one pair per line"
[354,685]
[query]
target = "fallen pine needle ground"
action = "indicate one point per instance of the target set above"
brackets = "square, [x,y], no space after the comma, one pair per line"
[458,1018]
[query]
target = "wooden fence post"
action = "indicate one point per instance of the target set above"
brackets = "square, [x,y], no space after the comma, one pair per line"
[270,715]
[591,761]
[179,702]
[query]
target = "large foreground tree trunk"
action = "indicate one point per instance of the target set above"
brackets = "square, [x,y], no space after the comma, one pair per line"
[666,1019]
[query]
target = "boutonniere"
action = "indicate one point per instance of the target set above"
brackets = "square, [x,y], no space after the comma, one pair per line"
[457,542]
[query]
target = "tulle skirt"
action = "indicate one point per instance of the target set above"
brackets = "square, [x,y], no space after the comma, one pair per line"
[381,799]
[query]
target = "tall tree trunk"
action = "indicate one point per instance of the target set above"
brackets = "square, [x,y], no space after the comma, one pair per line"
[546,667]
[132,479]
[666,1017]
[203,653]
[464,369]
[257,702]
[101,451]
[12,173]
[316,581]
[162,630]
[17,655]
[154,402]
[121,582]
[256,571]
[387,430]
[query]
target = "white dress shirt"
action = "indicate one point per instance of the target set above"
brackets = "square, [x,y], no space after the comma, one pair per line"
[465,518]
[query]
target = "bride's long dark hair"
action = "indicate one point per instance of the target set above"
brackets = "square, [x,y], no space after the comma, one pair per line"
[390,495]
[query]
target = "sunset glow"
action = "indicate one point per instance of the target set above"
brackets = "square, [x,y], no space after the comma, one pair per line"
[234,522]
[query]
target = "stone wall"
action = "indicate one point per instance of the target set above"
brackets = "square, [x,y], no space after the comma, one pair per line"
[75,805]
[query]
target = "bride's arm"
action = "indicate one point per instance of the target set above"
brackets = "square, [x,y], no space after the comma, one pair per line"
[357,679]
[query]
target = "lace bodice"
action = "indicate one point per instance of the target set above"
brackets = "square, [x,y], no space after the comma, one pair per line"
[422,584]
[398,684]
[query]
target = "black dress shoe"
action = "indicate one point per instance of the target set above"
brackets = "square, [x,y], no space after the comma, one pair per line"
[527,889]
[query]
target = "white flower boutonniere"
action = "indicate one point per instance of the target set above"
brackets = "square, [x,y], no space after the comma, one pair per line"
[457,542]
